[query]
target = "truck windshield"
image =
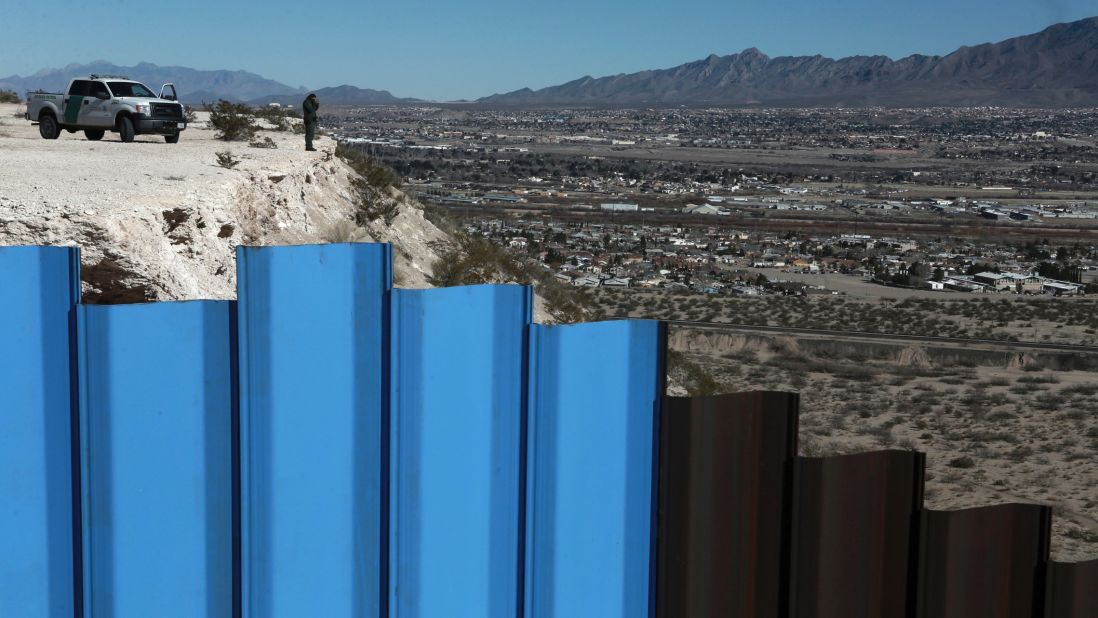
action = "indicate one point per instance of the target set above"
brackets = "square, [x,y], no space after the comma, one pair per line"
[131,89]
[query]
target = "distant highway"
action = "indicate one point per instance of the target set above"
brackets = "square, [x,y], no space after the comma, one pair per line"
[854,334]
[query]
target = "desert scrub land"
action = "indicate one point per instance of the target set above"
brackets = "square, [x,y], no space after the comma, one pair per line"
[1044,319]
[996,426]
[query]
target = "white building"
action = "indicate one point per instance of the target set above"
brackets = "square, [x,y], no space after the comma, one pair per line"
[618,207]
[704,209]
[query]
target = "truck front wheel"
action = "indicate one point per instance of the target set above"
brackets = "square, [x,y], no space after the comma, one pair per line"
[94,134]
[172,139]
[48,127]
[125,129]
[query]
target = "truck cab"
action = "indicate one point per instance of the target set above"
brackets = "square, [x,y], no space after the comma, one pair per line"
[101,103]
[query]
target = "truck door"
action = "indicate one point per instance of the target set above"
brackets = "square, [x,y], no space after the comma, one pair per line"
[74,101]
[97,107]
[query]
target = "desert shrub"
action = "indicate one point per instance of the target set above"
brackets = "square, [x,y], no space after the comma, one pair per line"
[963,461]
[857,374]
[264,142]
[234,121]
[697,381]
[226,160]
[369,184]
[1020,453]
[1075,414]
[470,260]
[371,204]
[565,303]
[368,167]
[883,433]
[344,232]
[9,96]
[1049,401]
[984,436]
[277,116]
[189,114]
[1041,379]
[1081,535]
[1085,390]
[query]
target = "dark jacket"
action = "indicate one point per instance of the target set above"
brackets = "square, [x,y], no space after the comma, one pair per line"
[310,106]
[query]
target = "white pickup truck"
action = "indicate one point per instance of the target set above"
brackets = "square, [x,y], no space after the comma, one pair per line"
[102,103]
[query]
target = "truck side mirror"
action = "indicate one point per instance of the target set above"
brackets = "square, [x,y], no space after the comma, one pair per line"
[102,96]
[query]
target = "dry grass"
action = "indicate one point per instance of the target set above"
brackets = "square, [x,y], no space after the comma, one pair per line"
[1051,320]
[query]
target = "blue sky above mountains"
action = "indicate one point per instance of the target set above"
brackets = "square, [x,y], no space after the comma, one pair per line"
[445,50]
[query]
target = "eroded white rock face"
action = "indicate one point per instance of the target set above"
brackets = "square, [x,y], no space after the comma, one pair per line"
[159,221]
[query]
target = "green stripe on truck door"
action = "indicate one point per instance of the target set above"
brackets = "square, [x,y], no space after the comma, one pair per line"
[72,108]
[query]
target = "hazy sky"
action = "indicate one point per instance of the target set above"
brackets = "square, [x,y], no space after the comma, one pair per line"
[450,49]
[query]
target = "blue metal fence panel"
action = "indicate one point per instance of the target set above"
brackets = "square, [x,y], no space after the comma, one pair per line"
[156,430]
[458,371]
[313,340]
[595,392]
[40,287]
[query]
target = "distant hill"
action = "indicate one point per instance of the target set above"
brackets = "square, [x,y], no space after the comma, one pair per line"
[1055,67]
[195,86]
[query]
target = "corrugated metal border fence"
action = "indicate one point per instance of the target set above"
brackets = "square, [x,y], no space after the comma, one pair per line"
[329,446]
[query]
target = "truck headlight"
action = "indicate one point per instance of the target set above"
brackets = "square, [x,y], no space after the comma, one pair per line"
[141,108]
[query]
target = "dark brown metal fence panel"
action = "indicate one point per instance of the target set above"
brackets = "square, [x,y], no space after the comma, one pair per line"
[985,562]
[1072,590]
[725,493]
[854,543]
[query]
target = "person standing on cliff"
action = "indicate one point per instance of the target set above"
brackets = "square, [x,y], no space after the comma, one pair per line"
[309,106]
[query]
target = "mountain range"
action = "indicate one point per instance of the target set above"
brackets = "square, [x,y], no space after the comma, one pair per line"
[197,86]
[1055,67]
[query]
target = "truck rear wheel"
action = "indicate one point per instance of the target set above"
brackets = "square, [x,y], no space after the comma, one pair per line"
[125,129]
[94,134]
[172,139]
[48,127]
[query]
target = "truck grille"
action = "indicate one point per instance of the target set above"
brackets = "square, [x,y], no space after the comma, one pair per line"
[167,110]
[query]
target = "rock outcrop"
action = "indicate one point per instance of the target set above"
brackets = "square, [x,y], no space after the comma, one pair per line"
[159,221]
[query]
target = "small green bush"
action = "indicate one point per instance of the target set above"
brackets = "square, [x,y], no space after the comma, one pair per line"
[226,160]
[371,204]
[277,116]
[470,260]
[370,183]
[368,167]
[10,96]
[467,260]
[697,381]
[234,121]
